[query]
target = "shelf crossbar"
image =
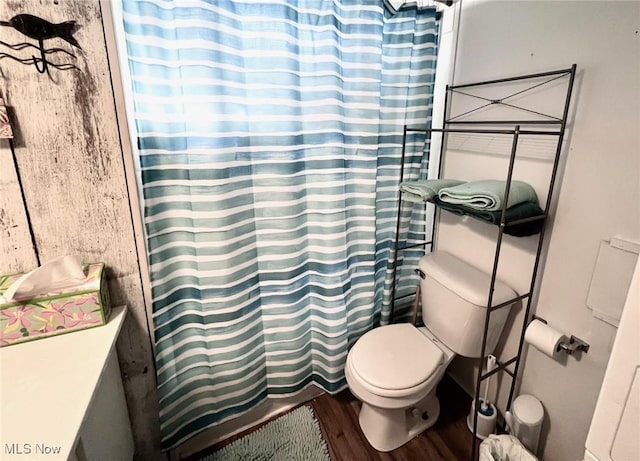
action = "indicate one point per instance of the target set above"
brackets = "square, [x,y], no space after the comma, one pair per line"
[514,79]
[415,245]
[539,217]
[484,131]
[405,296]
[503,122]
[511,301]
[501,367]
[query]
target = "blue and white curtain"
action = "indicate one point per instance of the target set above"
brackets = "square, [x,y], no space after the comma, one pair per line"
[269,139]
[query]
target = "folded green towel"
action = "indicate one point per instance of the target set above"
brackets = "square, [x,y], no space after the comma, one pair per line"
[520,211]
[488,194]
[426,189]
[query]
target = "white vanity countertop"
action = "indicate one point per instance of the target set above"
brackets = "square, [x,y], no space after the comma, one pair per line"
[46,388]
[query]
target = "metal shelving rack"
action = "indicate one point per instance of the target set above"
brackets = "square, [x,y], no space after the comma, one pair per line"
[544,125]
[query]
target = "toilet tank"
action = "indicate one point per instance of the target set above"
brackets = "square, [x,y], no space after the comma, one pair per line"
[454,299]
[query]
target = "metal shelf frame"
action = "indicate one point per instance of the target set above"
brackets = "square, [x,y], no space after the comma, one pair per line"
[515,129]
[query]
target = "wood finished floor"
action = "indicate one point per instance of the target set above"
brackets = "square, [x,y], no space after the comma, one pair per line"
[448,440]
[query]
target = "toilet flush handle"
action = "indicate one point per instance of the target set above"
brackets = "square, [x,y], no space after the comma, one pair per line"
[420,273]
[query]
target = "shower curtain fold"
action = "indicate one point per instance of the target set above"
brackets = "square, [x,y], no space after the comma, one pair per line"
[269,139]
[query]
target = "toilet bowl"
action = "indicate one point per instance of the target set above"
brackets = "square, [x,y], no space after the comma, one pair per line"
[397,391]
[394,369]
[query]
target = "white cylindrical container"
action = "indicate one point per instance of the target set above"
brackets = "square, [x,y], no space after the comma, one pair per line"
[525,420]
[486,420]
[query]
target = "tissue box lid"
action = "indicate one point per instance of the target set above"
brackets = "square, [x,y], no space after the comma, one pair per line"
[91,283]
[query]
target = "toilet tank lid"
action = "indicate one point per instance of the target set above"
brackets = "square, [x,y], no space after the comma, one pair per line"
[468,282]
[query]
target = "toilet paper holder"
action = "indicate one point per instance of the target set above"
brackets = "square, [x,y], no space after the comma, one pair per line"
[574,344]
[568,345]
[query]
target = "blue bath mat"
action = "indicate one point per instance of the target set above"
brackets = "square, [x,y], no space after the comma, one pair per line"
[295,436]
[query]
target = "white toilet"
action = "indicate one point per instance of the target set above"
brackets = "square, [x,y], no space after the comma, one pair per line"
[394,369]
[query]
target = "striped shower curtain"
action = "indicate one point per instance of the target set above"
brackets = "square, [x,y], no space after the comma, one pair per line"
[269,138]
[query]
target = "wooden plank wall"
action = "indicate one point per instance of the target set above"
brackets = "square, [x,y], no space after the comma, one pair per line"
[70,163]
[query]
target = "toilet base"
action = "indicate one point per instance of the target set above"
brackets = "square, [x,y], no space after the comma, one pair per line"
[388,429]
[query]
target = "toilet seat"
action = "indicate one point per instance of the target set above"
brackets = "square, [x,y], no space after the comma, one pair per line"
[394,360]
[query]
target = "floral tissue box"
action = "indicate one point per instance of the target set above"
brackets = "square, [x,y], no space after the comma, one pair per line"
[83,306]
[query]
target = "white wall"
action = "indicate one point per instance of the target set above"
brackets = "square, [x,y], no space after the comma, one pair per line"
[596,197]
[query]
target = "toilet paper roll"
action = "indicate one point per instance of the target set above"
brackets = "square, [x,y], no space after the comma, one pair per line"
[544,338]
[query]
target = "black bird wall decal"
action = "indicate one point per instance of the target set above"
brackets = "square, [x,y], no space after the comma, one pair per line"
[40,29]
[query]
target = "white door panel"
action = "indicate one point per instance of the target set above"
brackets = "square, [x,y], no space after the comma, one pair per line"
[626,445]
[615,428]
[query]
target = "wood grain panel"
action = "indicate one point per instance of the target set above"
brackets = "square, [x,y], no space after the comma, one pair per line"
[71,167]
[14,232]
